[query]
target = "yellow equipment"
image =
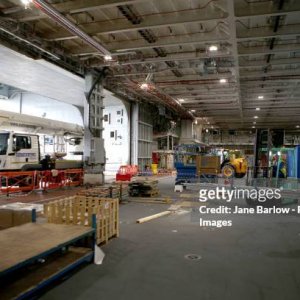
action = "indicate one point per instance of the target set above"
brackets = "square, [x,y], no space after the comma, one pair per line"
[234,164]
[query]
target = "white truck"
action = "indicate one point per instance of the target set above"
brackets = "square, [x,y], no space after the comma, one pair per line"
[22,152]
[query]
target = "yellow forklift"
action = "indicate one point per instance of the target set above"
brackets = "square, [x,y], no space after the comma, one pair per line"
[233,164]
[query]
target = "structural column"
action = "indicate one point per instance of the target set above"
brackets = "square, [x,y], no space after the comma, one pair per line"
[134,133]
[94,152]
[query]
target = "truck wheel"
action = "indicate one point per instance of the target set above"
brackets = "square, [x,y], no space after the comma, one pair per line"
[228,171]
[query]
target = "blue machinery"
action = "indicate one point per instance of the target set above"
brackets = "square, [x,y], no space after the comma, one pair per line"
[185,156]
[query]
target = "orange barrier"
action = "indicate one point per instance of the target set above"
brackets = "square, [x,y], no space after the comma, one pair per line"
[126,172]
[12,182]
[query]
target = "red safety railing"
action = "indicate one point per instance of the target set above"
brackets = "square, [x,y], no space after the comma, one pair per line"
[13,182]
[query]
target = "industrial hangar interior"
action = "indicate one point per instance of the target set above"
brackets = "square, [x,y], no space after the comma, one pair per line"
[150,149]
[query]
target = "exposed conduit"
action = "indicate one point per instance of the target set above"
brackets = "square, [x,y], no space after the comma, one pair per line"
[63,21]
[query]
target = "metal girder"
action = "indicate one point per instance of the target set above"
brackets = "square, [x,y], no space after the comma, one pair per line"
[263,63]
[189,98]
[158,71]
[155,21]
[242,51]
[291,72]
[75,6]
[139,44]
[233,40]
[182,56]
[188,94]
[186,77]
[247,10]
[267,32]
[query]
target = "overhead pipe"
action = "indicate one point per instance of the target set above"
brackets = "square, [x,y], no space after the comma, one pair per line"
[67,24]
[163,99]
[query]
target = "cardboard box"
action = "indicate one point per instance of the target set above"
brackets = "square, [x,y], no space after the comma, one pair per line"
[6,218]
[21,217]
[208,162]
[208,171]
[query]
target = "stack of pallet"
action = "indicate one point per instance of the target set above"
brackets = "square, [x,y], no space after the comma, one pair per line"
[143,188]
[80,210]
[115,190]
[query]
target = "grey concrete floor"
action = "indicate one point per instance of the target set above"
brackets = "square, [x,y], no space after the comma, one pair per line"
[257,258]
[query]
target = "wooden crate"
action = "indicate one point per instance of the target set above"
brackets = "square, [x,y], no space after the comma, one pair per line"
[78,210]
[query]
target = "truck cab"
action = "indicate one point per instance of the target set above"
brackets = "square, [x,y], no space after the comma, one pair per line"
[19,151]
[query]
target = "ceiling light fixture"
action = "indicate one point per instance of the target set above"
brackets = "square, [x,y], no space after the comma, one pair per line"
[144,86]
[260,97]
[255,117]
[193,110]
[257,108]
[298,126]
[181,100]
[254,123]
[26,3]
[213,48]
[223,80]
[253,126]
[108,57]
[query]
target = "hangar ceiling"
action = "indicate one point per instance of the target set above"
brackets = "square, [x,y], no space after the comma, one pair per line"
[229,63]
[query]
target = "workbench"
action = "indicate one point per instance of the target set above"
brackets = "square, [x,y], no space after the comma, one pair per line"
[34,255]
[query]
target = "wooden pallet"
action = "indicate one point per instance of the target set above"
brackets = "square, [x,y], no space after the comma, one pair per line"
[78,210]
[111,191]
[143,188]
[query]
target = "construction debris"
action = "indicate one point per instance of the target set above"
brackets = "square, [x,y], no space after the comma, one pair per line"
[152,217]
[143,188]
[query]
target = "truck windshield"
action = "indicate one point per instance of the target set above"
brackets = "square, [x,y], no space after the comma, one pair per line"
[3,143]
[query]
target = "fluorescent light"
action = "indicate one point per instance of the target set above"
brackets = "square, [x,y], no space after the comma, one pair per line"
[260,97]
[298,126]
[257,108]
[26,2]
[181,100]
[253,126]
[255,117]
[193,110]
[213,48]
[223,80]
[107,57]
[144,86]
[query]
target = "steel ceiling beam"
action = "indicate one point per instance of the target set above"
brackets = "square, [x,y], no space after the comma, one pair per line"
[182,56]
[248,10]
[149,22]
[75,6]
[249,51]
[263,63]
[291,72]
[267,32]
[169,41]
